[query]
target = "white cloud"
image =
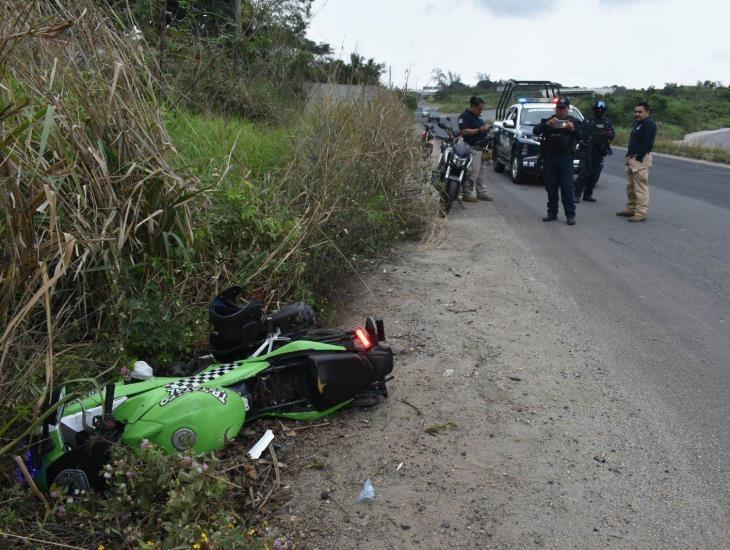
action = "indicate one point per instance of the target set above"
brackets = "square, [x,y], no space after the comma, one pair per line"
[516,8]
[578,42]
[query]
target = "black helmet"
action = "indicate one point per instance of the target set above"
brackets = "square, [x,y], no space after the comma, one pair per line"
[599,107]
[234,327]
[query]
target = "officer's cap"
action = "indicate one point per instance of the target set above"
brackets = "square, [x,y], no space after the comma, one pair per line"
[562,102]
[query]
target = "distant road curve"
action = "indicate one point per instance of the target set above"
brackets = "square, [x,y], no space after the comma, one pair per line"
[710,138]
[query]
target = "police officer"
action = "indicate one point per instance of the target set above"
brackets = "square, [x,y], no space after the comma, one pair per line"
[474,132]
[598,133]
[560,134]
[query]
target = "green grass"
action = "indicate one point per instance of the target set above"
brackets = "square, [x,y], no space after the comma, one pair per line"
[204,143]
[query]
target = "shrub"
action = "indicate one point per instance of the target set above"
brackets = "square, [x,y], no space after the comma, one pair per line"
[153,500]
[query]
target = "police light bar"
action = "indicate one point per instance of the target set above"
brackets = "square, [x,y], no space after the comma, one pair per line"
[535,100]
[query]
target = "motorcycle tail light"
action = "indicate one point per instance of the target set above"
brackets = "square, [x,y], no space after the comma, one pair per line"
[363,339]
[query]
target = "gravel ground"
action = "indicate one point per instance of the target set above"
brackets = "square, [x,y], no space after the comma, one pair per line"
[512,425]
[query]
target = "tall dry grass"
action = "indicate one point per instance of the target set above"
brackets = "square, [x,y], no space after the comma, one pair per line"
[85,187]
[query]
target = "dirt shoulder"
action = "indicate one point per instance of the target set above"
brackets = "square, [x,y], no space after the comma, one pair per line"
[512,426]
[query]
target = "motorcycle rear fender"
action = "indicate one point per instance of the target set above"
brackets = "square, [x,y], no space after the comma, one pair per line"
[341,376]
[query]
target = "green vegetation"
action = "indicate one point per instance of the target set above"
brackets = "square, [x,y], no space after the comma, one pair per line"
[153,501]
[137,181]
[677,110]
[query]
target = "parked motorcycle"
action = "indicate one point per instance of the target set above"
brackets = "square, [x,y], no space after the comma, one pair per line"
[265,365]
[452,166]
[427,139]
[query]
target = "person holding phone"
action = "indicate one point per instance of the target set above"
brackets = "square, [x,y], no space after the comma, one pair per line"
[474,132]
[560,134]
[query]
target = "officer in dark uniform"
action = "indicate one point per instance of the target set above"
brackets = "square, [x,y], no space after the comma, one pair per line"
[598,133]
[560,134]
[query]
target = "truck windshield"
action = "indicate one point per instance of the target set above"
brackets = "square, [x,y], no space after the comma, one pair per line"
[533,115]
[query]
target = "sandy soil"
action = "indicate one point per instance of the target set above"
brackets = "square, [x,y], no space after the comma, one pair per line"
[512,427]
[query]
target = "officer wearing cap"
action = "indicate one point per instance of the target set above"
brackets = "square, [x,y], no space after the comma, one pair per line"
[560,134]
[598,132]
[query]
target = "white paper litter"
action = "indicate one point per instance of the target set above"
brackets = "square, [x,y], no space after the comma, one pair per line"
[261,444]
[399,466]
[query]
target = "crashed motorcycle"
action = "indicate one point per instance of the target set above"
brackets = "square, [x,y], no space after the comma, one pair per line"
[452,166]
[261,365]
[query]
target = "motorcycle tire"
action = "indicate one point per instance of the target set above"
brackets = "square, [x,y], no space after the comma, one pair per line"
[449,195]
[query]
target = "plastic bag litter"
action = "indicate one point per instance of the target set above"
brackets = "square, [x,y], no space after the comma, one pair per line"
[368,492]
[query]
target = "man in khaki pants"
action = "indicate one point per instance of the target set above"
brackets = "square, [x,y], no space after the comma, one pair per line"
[474,132]
[638,164]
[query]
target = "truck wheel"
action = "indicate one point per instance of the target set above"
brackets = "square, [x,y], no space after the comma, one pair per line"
[498,166]
[516,170]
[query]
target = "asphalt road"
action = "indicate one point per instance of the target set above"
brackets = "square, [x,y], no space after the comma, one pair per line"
[656,293]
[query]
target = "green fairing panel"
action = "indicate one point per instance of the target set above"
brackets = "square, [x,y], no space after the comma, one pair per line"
[297,346]
[307,416]
[214,415]
[138,398]
[240,370]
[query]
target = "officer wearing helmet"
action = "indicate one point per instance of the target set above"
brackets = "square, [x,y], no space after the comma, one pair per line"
[598,132]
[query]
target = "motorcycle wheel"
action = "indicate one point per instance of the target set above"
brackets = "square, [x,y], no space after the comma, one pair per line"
[449,196]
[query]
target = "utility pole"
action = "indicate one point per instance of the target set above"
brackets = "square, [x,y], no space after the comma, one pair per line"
[390,77]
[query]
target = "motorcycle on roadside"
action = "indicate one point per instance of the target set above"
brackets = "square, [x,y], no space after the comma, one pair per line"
[452,166]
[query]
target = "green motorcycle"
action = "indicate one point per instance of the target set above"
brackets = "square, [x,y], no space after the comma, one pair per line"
[262,365]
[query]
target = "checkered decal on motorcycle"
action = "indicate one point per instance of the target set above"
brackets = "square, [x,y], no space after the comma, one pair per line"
[192,382]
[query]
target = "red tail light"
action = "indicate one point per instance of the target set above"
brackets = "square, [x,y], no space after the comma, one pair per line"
[362,339]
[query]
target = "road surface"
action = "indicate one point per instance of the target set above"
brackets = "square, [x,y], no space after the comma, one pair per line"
[658,292]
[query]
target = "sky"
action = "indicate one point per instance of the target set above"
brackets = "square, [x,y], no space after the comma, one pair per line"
[632,43]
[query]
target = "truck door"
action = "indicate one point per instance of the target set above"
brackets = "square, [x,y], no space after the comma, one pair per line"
[510,129]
